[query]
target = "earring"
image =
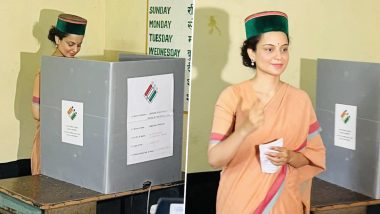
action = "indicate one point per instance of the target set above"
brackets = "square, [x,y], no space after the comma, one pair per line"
[252,63]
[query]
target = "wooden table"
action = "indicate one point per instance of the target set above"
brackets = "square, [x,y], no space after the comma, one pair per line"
[326,197]
[42,194]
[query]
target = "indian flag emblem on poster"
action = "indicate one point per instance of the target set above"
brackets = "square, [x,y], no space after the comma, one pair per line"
[345,116]
[151,92]
[71,113]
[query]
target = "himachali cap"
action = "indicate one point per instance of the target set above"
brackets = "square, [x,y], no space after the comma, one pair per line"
[267,21]
[71,24]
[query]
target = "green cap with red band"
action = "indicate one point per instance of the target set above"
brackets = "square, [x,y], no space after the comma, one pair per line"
[267,21]
[71,24]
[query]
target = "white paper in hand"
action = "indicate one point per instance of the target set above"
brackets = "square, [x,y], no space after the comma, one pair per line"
[266,165]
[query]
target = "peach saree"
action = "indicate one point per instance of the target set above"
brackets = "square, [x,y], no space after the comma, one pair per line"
[243,188]
[36,150]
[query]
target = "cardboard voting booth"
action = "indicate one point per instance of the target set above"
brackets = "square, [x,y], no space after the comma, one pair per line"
[348,109]
[112,126]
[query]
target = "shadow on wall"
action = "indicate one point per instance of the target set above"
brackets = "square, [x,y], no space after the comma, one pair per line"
[211,47]
[29,65]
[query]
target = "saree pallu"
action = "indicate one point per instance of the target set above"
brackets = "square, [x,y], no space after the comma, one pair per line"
[243,188]
[35,158]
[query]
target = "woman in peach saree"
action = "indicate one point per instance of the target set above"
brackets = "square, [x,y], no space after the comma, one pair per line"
[258,111]
[67,36]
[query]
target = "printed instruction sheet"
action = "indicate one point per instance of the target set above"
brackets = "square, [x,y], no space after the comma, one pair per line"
[72,122]
[150,118]
[345,126]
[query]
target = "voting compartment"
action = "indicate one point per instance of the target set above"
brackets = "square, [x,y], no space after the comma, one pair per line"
[112,126]
[348,109]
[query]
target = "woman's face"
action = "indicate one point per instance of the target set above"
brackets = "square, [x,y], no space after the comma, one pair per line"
[271,55]
[70,45]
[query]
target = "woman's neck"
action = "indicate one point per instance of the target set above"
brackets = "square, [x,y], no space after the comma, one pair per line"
[57,53]
[265,86]
[265,83]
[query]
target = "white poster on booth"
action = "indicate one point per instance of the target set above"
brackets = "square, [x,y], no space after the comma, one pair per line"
[150,118]
[345,126]
[72,122]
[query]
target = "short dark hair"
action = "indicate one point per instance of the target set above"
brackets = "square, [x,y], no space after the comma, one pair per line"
[55,32]
[251,43]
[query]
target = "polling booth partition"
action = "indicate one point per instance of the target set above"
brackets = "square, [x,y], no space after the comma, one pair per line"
[112,126]
[348,109]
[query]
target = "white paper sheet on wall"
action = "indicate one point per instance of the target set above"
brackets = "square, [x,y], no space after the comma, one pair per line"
[150,118]
[72,122]
[345,126]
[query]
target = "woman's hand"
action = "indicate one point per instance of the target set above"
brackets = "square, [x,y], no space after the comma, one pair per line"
[255,117]
[280,156]
[220,154]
